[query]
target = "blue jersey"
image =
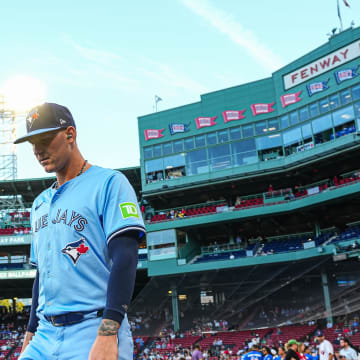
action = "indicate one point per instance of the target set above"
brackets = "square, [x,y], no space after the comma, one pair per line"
[268,357]
[72,227]
[254,355]
[309,357]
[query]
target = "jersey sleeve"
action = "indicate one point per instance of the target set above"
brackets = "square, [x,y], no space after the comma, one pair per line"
[120,210]
[33,260]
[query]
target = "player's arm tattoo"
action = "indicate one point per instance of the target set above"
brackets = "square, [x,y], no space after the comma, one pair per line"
[108,327]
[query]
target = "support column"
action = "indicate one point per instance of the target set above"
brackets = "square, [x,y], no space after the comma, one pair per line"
[175,308]
[325,286]
[317,229]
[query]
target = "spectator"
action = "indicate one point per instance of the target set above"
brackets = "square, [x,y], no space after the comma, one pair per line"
[326,350]
[266,353]
[281,353]
[197,354]
[347,351]
[292,354]
[254,354]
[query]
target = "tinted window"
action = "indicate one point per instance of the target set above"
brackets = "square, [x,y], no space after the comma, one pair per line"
[322,124]
[178,146]
[189,143]
[314,109]
[324,105]
[334,101]
[273,125]
[167,148]
[306,131]
[200,140]
[174,161]
[294,118]
[292,136]
[220,157]
[248,130]
[267,142]
[148,152]
[157,150]
[243,146]
[154,165]
[235,133]
[304,113]
[357,110]
[211,138]
[223,136]
[344,115]
[284,121]
[356,92]
[345,96]
[260,128]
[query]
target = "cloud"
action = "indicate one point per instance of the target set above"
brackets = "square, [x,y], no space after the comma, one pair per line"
[245,38]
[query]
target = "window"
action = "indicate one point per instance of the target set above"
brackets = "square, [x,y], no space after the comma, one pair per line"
[357,110]
[167,148]
[292,136]
[304,114]
[200,141]
[248,130]
[322,124]
[344,115]
[260,128]
[196,162]
[244,152]
[174,161]
[268,142]
[273,125]
[334,101]
[178,146]
[148,152]
[235,133]
[294,118]
[345,97]
[306,131]
[243,146]
[223,136]
[284,120]
[220,157]
[355,92]
[324,105]
[314,109]
[189,143]
[157,150]
[211,138]
[153,165]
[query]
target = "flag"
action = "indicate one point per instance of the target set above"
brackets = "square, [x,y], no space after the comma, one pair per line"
[205,122]
[346,3]
[317,87]
[289,99]
[178,128]
[339,15]
[230,115]
[157,99]
[257,109]
[153,134]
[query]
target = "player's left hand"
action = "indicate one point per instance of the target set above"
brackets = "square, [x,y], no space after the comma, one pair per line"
[104,348]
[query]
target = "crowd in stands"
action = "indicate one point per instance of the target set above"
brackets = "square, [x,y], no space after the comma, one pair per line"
[271,195]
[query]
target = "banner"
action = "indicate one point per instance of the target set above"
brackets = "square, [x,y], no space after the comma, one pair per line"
[314,88]
[153,134]
[205,122]
[346,74]
[230,115]
[289,99]
[262,108]
[178,128]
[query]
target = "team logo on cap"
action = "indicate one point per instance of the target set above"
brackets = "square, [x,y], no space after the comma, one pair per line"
[33,115]
[75,249]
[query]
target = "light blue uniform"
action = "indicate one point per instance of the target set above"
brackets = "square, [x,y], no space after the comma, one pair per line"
[254,355]
[71,230]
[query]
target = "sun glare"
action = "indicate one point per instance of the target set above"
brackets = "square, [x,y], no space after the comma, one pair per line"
[23,92]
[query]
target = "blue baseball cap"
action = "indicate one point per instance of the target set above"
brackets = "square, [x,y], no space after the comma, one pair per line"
[319,333]
[45,118]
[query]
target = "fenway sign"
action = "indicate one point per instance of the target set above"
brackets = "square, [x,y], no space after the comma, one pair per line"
[322,65]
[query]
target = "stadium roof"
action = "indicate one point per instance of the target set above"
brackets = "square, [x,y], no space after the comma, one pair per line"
[30,188]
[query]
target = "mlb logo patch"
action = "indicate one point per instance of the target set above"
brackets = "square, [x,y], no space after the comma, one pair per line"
[129,210]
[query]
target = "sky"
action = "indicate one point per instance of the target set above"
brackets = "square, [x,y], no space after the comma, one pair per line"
[107,60]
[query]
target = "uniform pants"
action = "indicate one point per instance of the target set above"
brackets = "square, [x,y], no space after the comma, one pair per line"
[73,342]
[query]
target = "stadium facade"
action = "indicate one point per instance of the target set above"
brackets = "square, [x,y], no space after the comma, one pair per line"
[251,197]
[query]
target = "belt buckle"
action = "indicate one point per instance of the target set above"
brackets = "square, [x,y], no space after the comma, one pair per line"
[52,318]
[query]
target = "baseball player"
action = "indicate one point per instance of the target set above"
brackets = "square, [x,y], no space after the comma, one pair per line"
[86,228]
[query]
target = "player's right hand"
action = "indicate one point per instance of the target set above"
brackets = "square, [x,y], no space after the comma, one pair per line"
[104,348]
[28,337]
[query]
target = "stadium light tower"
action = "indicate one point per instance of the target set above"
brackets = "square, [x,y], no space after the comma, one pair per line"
[8,159]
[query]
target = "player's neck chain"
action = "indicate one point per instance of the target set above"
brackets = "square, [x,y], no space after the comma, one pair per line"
[56,186]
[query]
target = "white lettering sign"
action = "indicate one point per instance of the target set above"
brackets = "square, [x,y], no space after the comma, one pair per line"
[322,65]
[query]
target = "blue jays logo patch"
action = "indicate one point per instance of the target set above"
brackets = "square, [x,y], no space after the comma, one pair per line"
[75,249]
[33,115]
